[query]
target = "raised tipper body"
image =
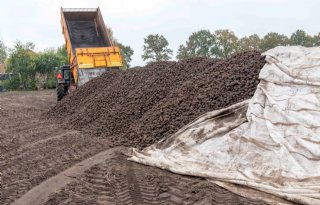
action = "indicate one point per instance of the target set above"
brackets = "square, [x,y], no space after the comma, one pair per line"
[89,46]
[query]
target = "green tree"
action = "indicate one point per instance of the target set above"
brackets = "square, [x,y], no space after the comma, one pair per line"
[63,55]
[111,36]
[272,40]
[21,62]
[156,48]
[45,62]
[199,44]
[226,43]
[301,38]
[183,53]
[126,52]
[316,40]
[250,43]
[3,52]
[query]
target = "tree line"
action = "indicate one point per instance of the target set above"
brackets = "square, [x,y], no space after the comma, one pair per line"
[27,65]
[31,70]
[221,44]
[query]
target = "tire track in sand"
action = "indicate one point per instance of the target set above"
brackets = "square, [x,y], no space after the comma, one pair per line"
[118,181]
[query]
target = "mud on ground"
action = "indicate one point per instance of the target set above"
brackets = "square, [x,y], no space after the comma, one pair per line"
[33,150]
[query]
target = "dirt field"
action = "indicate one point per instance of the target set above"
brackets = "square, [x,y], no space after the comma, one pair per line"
[31,148]
[35,152]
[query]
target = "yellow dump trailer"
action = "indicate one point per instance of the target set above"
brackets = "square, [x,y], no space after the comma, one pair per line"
[90,49]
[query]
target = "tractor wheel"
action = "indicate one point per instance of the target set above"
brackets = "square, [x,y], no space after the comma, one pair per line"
[60,92]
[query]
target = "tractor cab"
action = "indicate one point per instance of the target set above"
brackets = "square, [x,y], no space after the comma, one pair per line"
[64,81]
[64,75]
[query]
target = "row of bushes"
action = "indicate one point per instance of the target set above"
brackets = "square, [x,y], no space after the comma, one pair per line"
[14,83]
[32,70]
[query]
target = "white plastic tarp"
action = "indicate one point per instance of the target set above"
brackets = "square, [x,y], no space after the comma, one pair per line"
[269,143]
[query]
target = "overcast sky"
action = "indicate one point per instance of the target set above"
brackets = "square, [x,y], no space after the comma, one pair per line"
[38,21]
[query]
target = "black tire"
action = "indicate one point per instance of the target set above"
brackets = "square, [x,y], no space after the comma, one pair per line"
[60,92]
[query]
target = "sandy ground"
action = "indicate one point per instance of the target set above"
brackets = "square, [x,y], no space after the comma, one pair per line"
[36,153]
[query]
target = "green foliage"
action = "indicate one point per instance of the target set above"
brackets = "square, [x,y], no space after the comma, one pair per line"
[301,38]
[111,36]
[250,43]
[199,44]
[52,82]
[316,40]
[183,53]
[21,62]
[46,62]
[272,40]
[3,52]
[126,52]
[226,43]
[63,55]
[13,83]
[156,48]
[26,64]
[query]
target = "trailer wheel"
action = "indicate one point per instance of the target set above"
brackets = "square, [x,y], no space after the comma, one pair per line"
[60,92]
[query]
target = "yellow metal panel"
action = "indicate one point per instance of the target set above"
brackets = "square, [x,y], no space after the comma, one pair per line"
[75,74]
[67,38]
[100,57]
[82,58]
